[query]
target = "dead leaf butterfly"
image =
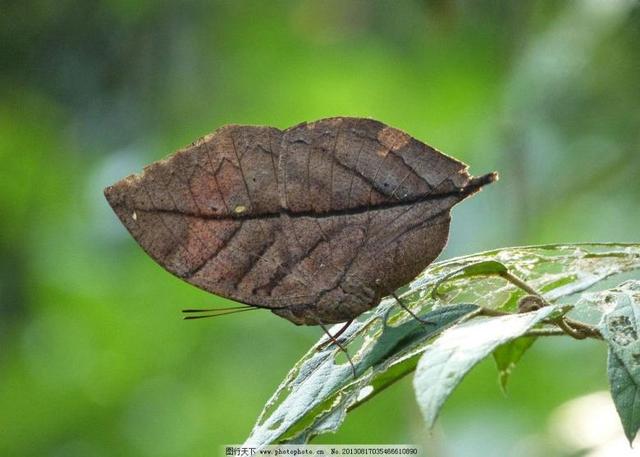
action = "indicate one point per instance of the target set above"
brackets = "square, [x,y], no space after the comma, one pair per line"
[316,222]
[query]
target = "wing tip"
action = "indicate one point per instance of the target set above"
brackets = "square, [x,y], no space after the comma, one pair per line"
[485,179]
[478,182]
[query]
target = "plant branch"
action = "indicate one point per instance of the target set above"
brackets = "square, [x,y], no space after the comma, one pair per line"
[575,329]
[579,330]
[565,326]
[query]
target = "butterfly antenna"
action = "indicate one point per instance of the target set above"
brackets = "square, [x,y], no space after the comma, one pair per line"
[206,310]
[198,313]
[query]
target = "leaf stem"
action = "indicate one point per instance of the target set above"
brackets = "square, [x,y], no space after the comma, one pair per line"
[561,332]
[535,332]
[513,279]
[491,312]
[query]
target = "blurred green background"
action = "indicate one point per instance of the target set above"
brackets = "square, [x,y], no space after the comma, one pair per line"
[94,358]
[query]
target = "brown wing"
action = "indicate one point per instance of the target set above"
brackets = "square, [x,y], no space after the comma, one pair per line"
[316,222]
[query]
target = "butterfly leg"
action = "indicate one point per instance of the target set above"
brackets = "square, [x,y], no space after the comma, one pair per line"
[414,315]
[332,339]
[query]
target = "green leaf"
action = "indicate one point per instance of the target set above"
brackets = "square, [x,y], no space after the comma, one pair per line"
[445,362]
[508,355]
[411,331]
[620,327]
[625,393]
[482,268]
[315,397]
[320,389]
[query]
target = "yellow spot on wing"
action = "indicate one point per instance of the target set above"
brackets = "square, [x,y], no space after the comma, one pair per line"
[393,139]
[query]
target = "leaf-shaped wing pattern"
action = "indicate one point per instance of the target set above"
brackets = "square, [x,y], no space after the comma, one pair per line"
[317,222]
